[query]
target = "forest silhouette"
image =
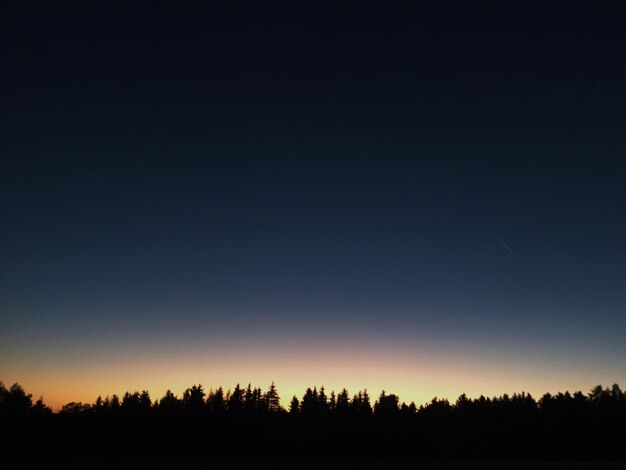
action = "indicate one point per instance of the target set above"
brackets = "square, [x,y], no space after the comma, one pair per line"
[249,422]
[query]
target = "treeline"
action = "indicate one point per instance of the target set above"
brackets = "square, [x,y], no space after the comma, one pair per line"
[242,401]
[314,402]
[574,426]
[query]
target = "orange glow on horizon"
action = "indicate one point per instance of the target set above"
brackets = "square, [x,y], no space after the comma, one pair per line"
[412,374]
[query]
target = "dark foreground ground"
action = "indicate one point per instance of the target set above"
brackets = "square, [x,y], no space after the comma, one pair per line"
[283,442]
[567,432]
[191,463]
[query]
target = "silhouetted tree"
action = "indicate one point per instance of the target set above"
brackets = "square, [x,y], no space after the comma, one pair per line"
[41,408]
[596,393]
[462,402]
[131,403]
[255,401]
[249,400]
[14,400]
[272,399]
[169,404]
[193,399]
[332,401]
[616,392]
[236,400]
[309,405]
[386,405]
[361,404]
[366,406]
[294,406]
[437,409]
[145,403]
[343,403]
[115,404]
[408,410]
[98,405]
[216,402]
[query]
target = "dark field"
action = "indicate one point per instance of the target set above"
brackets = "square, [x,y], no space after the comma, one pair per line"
[321,464]
[562,431]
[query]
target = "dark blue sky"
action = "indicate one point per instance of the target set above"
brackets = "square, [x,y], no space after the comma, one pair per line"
[443,173]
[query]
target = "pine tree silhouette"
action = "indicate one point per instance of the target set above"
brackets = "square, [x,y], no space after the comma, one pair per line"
[294,406]
[272,399]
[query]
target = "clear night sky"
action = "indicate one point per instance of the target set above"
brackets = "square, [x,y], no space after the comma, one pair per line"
[427,198]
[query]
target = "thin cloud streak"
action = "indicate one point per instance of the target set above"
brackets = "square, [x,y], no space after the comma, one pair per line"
[505,246]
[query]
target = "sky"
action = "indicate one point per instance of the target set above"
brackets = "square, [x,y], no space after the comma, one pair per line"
[423,198]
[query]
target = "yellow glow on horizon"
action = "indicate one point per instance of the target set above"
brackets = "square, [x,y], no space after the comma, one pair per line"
[414,375]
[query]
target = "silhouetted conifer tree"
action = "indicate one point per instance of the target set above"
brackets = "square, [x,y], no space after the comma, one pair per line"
[169,404]
[309,404]
[294,406]
[115,404]
[236,400]
[131,403]
[596,393]
[193,399]
[366,406]
[216,402]
[361,404]
[343,403]
[145,402]
[98,406]
[332,402]
[249,404]
[616,392]
[322,401]
[386,405]
[272,399]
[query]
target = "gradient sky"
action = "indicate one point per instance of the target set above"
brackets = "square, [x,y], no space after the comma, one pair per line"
[428,198]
